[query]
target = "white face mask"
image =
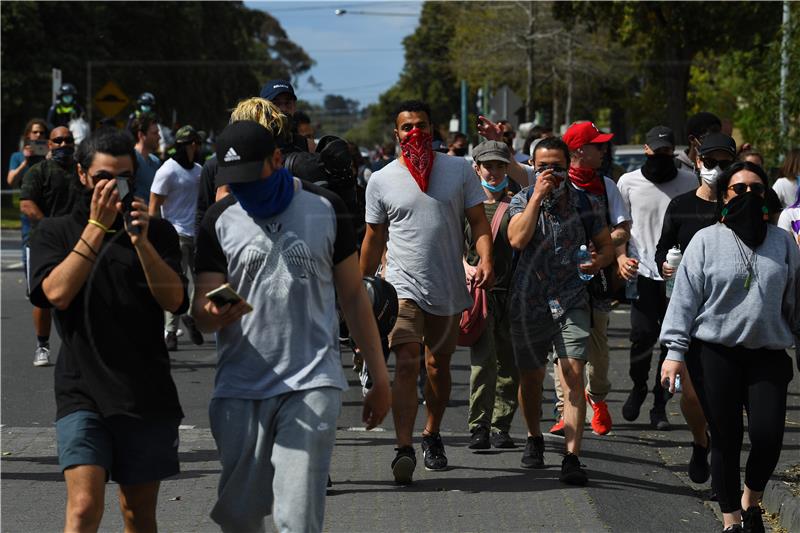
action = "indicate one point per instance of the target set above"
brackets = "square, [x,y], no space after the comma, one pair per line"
[710,177]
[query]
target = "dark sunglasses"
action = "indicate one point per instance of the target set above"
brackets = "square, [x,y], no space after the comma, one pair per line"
[62,140]
[554,168]
[710,162]
[741,188]
[103,175]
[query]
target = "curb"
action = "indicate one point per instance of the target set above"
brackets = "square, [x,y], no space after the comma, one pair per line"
[778,499]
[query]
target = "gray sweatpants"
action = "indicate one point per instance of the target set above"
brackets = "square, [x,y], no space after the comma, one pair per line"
[187,266]
[275,456]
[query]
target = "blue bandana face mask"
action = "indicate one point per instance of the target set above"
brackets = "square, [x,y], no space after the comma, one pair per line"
[265,198]
[495,188]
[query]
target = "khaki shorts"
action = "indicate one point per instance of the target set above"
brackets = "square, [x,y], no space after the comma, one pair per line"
[568,337]
[438,333]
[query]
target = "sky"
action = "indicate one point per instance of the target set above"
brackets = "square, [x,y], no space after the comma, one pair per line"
[359,54]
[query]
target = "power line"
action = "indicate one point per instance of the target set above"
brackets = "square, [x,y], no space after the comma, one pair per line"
[322,6]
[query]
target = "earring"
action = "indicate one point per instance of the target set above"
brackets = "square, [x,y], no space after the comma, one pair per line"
[724,214]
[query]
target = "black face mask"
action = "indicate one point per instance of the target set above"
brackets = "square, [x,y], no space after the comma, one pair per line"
[659,168]
[460,152]
[63,155]
[746,215]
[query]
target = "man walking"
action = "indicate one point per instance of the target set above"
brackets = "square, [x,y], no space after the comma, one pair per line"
[549,304]
[289,250]
[173,196]
[117,406]
[144,129]
[647,192]
[418,202]
[48,190]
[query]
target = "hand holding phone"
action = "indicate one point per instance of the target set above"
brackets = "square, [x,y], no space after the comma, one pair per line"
[37,148]
[224,295]
[126,197]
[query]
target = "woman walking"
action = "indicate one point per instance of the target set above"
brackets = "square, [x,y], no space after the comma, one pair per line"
[736,296]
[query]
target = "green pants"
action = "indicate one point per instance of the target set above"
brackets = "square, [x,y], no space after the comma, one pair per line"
[494,379]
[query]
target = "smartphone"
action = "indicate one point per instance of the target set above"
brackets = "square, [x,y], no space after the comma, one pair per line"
[38,148]
[126,197]
[224,294]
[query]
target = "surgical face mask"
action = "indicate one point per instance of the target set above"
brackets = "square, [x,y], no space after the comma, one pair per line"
[67,98]
[145,108]
[495,188]
[710,177]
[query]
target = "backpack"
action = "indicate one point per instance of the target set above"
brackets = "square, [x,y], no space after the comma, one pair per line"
[473,320]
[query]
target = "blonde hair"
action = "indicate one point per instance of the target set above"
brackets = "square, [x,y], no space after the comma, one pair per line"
[265,113]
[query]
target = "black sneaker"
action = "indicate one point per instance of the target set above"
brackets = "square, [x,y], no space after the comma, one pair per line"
[699,469]
[533,456]
[195,334]
[636,397]
[735,528]
[752,521]
[172,341]
[433,452]
[479,439]
[658,419]
[571,471]
[501,439]
[404,464]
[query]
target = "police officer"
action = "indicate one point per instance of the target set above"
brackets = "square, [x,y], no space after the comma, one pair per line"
[65,108]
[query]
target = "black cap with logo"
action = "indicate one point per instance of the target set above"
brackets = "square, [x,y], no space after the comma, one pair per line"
[242,148]
[660,137]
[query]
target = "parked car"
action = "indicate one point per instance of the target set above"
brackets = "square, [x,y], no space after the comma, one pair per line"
[631,156]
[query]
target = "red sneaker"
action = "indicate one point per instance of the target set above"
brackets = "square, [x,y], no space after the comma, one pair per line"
[558,427]
[601,419]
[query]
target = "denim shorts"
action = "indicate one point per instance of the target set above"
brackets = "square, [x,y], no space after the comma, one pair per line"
[130,449]
[567,337]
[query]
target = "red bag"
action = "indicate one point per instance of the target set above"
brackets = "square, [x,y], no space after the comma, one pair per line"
[473,320]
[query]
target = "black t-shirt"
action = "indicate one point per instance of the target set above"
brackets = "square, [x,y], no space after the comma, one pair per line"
[113,359]
[686,214]
[51,187]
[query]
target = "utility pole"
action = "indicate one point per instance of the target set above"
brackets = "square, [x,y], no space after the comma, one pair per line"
[464,125]
[529,62]
[786,30]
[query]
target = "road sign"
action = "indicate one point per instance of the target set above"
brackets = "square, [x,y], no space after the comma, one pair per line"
[110,100]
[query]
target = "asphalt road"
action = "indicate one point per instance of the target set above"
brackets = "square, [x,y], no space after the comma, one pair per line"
[638,478]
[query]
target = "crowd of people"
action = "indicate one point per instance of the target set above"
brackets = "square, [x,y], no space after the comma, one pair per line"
[520,256]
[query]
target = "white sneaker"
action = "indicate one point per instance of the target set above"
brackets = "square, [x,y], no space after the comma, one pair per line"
[178,333]
[41,356]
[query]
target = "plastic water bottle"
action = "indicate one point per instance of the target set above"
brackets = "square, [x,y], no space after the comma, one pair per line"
[678,387]
[674,257]
[584,258]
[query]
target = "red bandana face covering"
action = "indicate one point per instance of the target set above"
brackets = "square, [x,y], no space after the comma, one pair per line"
[417,149]
[586,179]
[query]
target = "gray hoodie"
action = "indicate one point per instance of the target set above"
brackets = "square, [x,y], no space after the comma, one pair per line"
[710,301]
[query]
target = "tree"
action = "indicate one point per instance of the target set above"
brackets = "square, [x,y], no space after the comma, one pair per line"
[198,58]
[667,36]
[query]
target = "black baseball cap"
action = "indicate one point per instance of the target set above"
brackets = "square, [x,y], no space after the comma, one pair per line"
[660,137]
[273,88]
[718,141]
[242,148]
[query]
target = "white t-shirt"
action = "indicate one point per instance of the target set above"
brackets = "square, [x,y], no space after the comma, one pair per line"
[181,187]
[426,230]
[647,202]
[786,191]
[790,221]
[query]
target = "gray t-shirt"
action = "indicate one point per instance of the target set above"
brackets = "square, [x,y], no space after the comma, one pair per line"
[426,239]
[283,267]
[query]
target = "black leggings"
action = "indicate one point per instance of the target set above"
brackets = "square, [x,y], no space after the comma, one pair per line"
[728,380]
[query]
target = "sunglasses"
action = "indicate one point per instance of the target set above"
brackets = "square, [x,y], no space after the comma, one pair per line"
[104,175]
[710,163]
[741,188]
[554,168]
[63,140]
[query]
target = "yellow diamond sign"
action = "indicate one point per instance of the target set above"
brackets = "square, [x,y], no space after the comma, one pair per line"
[110,100]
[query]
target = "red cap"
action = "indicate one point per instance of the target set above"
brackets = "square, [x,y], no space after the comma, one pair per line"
[582,133]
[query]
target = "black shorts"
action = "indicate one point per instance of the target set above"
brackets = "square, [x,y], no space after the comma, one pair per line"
[130,449]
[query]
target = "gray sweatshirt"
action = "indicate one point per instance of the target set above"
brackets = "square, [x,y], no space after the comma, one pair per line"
[710,302]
